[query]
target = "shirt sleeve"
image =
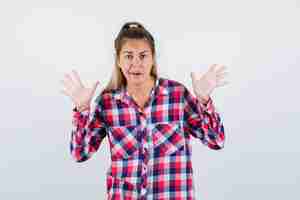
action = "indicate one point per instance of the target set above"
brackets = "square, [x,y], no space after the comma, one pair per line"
[203,122]
[88,131]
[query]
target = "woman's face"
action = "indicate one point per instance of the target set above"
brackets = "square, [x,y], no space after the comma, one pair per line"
[136,61]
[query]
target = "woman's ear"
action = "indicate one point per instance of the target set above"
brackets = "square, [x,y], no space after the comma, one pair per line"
[118,64]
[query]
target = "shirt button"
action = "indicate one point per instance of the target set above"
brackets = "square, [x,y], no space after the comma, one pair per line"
[144,168]
[143,191]
[145,150]
[141,113]
[144,183]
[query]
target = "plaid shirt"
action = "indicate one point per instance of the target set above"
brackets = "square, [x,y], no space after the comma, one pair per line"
[150,148]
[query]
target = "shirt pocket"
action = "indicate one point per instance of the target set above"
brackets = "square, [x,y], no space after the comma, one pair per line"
[124,142]
[167,138]
[121,188]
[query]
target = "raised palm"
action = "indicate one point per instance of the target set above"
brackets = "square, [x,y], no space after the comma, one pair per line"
[79,94]
[205,83]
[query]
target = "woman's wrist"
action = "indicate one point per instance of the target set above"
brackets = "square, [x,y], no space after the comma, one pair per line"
[81,108]
[203,99]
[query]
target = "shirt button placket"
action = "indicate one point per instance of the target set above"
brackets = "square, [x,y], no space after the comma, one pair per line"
[144,171]
[145,157]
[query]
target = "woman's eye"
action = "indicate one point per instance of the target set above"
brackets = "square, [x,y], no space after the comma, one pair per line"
[143,56]
[128,56]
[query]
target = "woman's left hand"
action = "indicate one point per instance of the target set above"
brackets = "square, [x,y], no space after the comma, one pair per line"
[204,84]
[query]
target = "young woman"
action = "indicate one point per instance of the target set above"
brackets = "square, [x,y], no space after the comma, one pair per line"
[149,121]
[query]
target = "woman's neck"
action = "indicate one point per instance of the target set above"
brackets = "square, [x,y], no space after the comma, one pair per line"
[142,89]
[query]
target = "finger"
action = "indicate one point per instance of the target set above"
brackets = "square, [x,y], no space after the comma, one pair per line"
[192,75]
[221,68]
[212,67]
[66,92]
[196,76]
[76,78]
[69,80]
[220,79]
[66,84]
[94,87]
[222,83]
[222,75]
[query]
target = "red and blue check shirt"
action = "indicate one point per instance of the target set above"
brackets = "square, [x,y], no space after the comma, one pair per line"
[150,147]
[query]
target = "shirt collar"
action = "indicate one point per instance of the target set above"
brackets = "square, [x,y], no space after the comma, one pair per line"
[159,89]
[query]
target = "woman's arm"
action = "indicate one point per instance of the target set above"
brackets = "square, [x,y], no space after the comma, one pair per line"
[203,122]
[88,131]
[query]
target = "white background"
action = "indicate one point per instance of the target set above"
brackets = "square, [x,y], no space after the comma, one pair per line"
[257,40]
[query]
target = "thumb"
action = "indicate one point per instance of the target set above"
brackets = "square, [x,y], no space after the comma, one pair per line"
[193,75]
[95,86]
[196,76]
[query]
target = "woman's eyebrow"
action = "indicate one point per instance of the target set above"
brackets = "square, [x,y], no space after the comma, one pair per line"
[130,52]
[144,51]
[126,52]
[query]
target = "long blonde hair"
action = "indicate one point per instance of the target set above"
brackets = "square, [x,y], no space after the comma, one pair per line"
[130,30]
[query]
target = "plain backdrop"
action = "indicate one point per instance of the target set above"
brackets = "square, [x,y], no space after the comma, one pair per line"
[257,40]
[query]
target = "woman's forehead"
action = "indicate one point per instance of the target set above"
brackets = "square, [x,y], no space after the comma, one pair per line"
[136,46]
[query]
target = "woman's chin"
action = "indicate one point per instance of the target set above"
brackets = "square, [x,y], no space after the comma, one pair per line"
[137,80]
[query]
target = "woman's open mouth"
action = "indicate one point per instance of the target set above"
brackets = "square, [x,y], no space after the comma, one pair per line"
[135,73]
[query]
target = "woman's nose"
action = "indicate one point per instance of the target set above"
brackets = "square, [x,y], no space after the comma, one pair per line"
[136,61]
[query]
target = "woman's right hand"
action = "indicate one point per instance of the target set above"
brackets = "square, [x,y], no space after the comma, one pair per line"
[80,95]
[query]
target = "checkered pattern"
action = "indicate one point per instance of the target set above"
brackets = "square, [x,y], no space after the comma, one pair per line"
[150,148]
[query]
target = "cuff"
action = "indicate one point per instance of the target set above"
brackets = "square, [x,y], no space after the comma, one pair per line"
[208,106]
[76,112]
